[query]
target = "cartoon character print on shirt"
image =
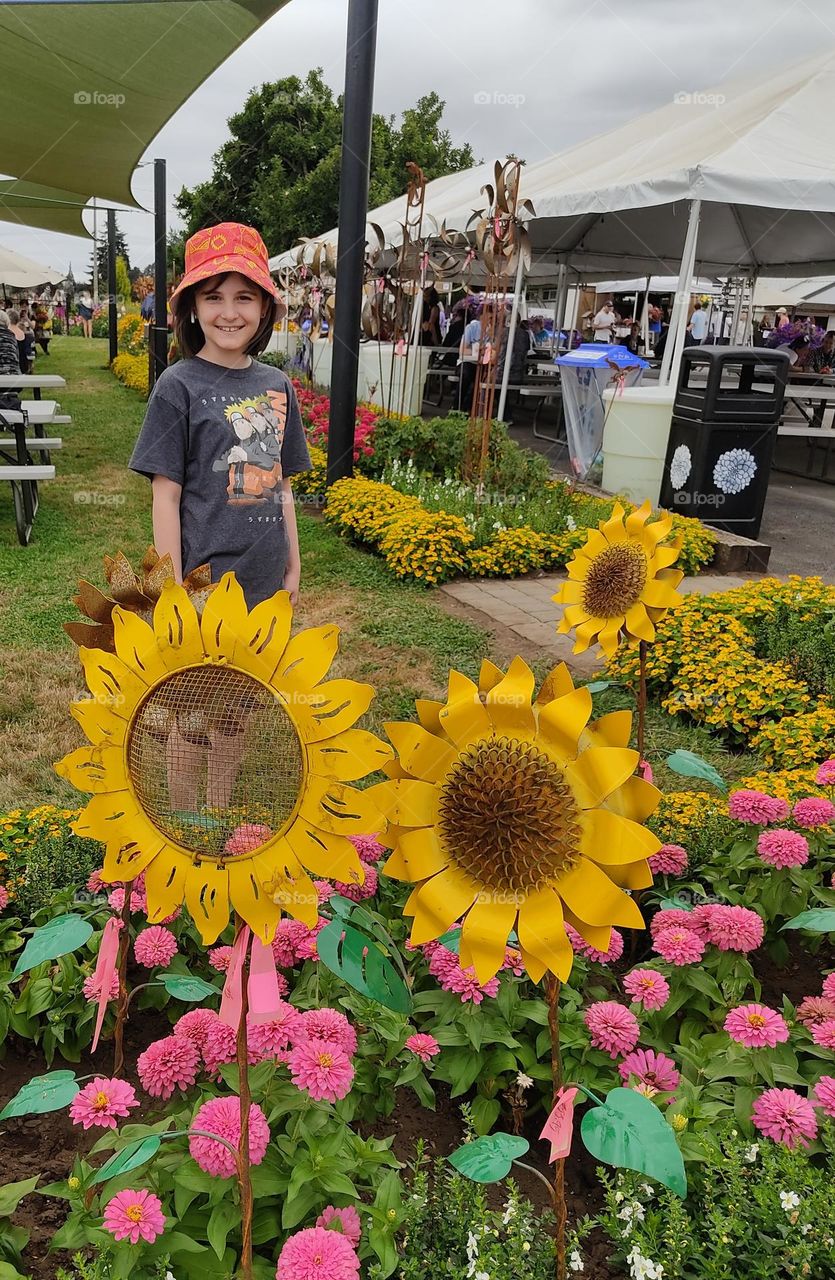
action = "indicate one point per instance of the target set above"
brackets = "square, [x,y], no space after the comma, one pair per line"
[253,460]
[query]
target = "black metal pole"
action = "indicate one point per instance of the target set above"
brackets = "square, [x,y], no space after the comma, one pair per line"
[353,211]
[111,282]
[160,330]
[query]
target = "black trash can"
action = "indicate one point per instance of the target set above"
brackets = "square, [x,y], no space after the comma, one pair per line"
[728,404]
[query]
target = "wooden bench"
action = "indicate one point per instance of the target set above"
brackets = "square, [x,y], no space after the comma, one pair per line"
[24,482]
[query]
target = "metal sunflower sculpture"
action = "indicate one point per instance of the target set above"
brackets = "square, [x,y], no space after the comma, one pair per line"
[219,759]
[621,583]
[516,812]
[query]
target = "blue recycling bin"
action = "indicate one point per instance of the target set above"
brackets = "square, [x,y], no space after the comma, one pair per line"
[585,374]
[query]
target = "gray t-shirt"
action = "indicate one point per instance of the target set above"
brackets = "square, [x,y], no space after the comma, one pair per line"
[228,436]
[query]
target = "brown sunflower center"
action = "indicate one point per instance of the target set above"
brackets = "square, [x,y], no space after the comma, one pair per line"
[615,580]
[508,816]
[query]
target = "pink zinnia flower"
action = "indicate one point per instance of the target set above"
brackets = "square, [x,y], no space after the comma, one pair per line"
[735,928]
[324,890]
[823,1033]
[4,897]
[647,988]
[825,776]
[92,987]
[781,848]
[292,941]
[784,1116]
[445,967]
[357,892]
[220,958]
[322,1068]
[155,946]
[756,1026]
[138,900]
[317,1254]
[368,847]
[813,812]
[95,884]
[194,1026]
[248,837]
[134,1216]
[655,1072]
[220,1045]
[814,1009]
[679,946]
[612,1026]
[346,1220]
[169,1064]
[269,1039]
[829,986]
[825,1095]
[584,948]
[223,1117]
[513,961]
[99,1103]
[670,917]
[306,949]
[701,918]
[328,1024]
[424,1046]
[670,860]
[756,808]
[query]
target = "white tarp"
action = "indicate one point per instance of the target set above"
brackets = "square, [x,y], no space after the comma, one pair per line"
[18,272]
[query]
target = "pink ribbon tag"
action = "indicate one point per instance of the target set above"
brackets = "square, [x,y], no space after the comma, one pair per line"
[646,771]
[559,1126]
[105,969]
[400,348]
[231,1002]
[264,995]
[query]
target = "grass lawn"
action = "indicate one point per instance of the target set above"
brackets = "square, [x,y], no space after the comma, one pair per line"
[395,636]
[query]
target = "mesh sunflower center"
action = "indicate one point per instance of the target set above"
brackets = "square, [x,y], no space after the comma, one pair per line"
[134,1212]
[508,816]
[615,580]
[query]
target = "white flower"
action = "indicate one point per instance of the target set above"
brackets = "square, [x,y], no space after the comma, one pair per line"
[509,1213]
[570,524]
[734,470]
[575,1261]
[806,1228]
[632,1212]
[681,466]
[751,1153]
[648,1191]
[523,1081]
[481,1275]
[789,1200]
[641,1268]
[472,1246]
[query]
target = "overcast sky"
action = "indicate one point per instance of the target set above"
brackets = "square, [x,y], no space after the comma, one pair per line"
[530,77]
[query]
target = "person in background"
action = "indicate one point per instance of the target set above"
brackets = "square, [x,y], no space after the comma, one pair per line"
[540,337]
[823,360]
[781,320]
[697,327]
[633,341]
[468,356]
[84,307]
[25,343]
[147,305]
[603,323]
[43,326]
[9,356]
[430,326]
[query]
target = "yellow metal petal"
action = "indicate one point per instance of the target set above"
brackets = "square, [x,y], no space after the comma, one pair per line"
[598,772]
[591,895]
[440,902]
[656,532]
[485,933]
[351,755]
[573,616]
[342,810]
[608,838]
[137,647]
[100,724]
[509,702]
[534,968]
[327,710]
[323,852]
[422,754]
[613,529]
[664,557]
[93,769]
[571,592]
[207,898]
[165,883]
[298,897]
[563,721]
[177,628]
[464,717]
[427,713]
[658,595]
[223,625]
[610,635]
[111,683]
[409,802]
[247,877]
[594,544]
[636,520]
[555,685]
[638,622]
[107,816]
[308,657]
[599,936]
[635,875]
[612,730]
[265,636]
[417,855]
[489,676]
[542,932]
[586,633]
[125,859]
[636,799]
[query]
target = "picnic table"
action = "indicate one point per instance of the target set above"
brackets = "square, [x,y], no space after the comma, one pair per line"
[812,402]
[19,468]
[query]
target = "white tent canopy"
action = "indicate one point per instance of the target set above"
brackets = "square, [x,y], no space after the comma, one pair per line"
[18,272]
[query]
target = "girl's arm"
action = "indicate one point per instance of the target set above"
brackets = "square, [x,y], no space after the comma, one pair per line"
[292,574]
[166,520]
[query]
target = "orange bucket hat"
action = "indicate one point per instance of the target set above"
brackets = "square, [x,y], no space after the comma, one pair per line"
[230,246]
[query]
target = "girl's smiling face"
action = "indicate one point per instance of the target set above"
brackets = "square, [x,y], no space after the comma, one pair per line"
[229,310]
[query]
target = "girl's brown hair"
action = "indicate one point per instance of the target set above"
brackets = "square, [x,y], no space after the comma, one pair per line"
[190,337]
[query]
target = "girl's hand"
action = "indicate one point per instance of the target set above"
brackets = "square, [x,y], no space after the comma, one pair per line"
[291,583]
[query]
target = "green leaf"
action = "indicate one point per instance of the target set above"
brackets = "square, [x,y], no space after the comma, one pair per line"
[8,1272]
[356,959]
[820,920]
[130,1157]
[451,941]
[485,1112]
[12,1194]
[224,1216]
[51,1092]
[54,939]
[188,988]
[629,1132]
[674,904]
[597,686]
[689,765]
[489,1159]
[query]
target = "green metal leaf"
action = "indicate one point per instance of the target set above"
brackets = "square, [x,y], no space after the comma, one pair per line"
[488,1159]
[820,920]
[597,686]
[130,1157]
[689,765]
[186,987]
[451,940]
[356,959]
[674,904]
[629,1132]
[54,939]
[51,1092]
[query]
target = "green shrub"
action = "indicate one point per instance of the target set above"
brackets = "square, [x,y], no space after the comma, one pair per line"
[808,650]
[277,359]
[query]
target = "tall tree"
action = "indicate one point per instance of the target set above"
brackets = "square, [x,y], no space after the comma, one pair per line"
[279,171]
[101,252]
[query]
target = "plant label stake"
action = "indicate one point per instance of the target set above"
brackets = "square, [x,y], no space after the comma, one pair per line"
[104,971]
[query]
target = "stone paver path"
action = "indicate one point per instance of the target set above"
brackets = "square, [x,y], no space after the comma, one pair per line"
[524,605]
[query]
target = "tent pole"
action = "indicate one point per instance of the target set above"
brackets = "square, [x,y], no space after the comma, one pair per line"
[645,316]
[678,323]
[734,334]
[111,284]
[95,256]
[511,333]
[559,303]
[160,329]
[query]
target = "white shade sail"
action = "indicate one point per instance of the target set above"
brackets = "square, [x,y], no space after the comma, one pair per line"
[18,272]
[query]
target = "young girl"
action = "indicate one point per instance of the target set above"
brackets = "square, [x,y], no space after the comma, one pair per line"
[221,438]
